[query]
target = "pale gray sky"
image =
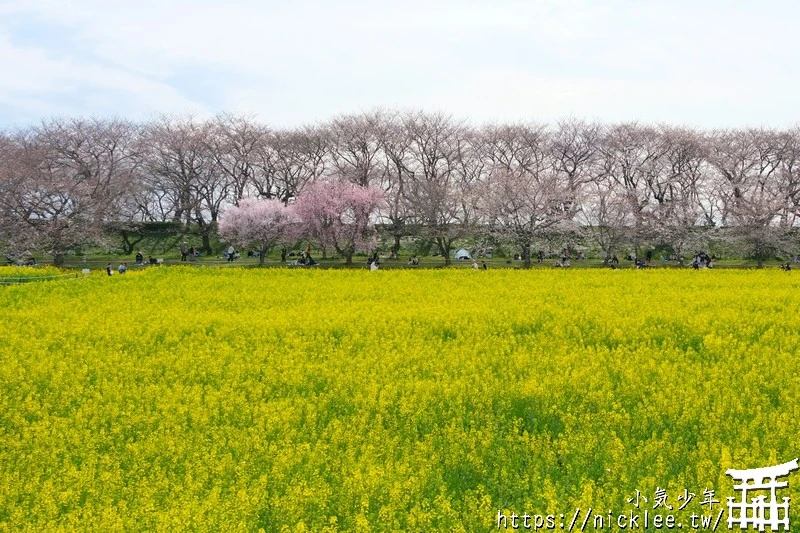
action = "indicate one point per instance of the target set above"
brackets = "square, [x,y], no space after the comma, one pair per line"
[702,63]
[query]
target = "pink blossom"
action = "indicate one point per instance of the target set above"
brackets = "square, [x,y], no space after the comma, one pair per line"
[260,224]
[339,214]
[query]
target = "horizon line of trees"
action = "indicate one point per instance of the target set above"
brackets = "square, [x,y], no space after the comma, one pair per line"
[67,181]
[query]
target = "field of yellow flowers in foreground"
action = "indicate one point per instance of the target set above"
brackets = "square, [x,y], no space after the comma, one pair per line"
[444,400]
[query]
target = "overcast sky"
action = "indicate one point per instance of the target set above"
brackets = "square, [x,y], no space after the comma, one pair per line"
[703,63]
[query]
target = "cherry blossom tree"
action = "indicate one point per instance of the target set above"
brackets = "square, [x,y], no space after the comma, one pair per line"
[355,146]
[436,188]
[678,210]
[339,214]
[522,205]
[753,195]
[16,181]
[260,224]
[606,216]
[234,142]
[287,160]
[178,153]
[398,214]
[629,155]
[63,180]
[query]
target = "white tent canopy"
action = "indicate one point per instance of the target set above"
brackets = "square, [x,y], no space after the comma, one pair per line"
[462,253]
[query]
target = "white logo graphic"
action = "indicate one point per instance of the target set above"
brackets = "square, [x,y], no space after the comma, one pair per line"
[758,512]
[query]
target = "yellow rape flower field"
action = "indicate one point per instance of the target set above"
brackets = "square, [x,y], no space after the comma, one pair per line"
[177,399]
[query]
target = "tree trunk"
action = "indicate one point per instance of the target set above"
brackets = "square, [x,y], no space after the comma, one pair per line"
[609,254]
[396,247]
[205,230]
[526,255]
[58,258]
[347,253]
[127,244]
[444,249]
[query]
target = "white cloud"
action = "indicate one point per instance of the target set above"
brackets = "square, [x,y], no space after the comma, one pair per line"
[38,84]
[678,61]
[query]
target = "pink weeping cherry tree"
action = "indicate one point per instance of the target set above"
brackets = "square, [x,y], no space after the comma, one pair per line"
[340,214]
[260,224]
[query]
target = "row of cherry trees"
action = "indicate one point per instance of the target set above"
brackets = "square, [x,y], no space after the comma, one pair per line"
[65,181]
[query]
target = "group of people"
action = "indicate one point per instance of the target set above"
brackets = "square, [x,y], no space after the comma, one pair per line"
[150,259]
[374,262]
[123,267]
[188,253]
[25,259]
[305,258]
[702,260]
[231,254]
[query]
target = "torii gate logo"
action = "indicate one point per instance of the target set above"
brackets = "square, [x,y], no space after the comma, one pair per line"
[758,512]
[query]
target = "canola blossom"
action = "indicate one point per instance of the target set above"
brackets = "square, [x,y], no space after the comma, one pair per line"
[16,274]
[179,398]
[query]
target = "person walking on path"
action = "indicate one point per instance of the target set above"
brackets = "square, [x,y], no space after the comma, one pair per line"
[184,250]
